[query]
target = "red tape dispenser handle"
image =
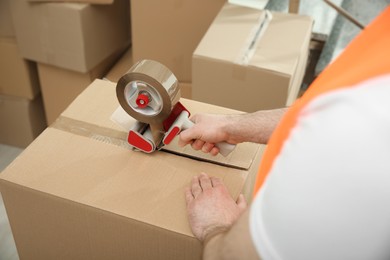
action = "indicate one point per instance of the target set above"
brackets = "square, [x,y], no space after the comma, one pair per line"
[183,122]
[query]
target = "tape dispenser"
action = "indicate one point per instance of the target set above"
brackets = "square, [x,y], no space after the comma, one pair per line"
[149,92]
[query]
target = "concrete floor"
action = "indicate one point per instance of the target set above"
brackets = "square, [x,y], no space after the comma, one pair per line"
[7,244]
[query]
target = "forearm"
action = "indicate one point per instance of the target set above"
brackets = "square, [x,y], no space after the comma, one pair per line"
[235,243]
[254,127]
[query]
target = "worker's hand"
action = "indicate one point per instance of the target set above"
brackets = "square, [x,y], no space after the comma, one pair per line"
[207,131]
[210,207]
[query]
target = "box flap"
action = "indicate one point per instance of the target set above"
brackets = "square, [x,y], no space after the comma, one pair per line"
[95,117]
[277,49]
[114,179]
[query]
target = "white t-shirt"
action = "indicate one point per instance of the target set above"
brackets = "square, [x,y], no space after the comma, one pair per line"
[327,195]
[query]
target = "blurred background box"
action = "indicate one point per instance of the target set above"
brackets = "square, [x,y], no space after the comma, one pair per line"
[72,36]
[186,89]
[61,86]
[226,74]
[169,31]
[21,120]
[6,25]
[18,77]
[121,67]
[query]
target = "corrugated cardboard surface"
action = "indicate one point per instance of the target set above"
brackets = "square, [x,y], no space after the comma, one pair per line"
[61,86]
[6,25]
[263,83]
[93,198]
[169,31]
[21,120]
[73,36]
[121,67]
[18,77]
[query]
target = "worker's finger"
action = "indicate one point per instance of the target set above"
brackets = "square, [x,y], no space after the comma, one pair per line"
[184,143]
[196,189]
[194,118]
[187,136]
[189,196]
[197,144]
[192,133]
[216,181]
[205,181]
[241,202]
[214,151]
[207,147]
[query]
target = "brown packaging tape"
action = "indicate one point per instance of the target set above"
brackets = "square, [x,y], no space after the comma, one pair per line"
[156,77]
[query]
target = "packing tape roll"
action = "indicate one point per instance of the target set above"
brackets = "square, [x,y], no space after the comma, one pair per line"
[155,77]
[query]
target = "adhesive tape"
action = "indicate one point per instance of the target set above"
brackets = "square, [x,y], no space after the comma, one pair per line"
[158,79]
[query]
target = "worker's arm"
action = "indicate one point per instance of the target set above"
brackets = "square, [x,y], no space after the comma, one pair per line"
[235,243]
[218,221]
[209,129]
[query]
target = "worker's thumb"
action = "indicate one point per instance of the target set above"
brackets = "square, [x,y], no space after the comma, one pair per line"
[241,202]
[187,136]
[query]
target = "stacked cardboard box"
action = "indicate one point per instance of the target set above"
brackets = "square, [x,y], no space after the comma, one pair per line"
[169,31]
[73,43]
[251,60]
[94,198]
[21,111]
[61,86]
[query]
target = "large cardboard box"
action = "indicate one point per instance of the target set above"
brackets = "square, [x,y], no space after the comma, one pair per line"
[79,192]
[61,86]
[18,77]
[21,120]
[248,62]
[169,31]
[73,36]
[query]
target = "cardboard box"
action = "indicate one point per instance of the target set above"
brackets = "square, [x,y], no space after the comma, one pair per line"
[18,77]
[93,198]
[6,25]
[68,35]
[245,64]
[60,86]
[21,120]
[170,31]
[121,67]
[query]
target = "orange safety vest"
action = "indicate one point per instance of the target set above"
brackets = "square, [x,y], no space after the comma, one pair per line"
[367,56]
